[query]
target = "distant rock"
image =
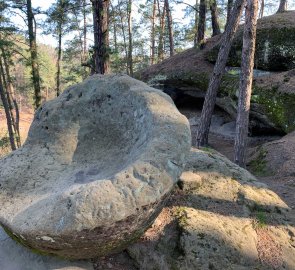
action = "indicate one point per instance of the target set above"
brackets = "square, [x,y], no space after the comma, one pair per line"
[97,167]
[222,218]
[275,47]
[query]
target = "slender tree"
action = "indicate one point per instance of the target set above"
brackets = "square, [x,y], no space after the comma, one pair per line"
[210,98]
[162,30]
[202,23]
[100,9]
[130,40]
[153,32]
[246,78]
[196,23]
[282,6]
[170,27]
[229,9]
[214,18]
[34,56]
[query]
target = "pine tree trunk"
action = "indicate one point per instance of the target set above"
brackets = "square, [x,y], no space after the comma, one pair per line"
[8,116]
[58,61]
[246,78]
[214,18]
[11,95]
[84,32]
[229,9]
[34,56]
[261,9]
[101,36]
[170,27]
[196,23]
[124,38]
[153,34]
[161,34]
[130,47]
[202,23]
[215,80]
[282,6]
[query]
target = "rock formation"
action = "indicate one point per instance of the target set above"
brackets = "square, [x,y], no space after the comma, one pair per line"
[97,167]
[188,73]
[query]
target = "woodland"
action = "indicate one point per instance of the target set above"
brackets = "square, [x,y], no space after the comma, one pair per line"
[228,66]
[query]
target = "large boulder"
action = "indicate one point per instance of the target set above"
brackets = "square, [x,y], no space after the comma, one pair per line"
[275,47]
[97,167]
[222,218]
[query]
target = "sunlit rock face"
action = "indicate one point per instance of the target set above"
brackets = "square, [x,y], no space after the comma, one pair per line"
[97,166]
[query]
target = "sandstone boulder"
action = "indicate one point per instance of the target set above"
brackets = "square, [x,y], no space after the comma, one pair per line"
[222,218]
[99,162]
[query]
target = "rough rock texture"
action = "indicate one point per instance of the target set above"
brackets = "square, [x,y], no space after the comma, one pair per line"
[14,256]
[188,74]
[275,47]
[222,218]
[96,169]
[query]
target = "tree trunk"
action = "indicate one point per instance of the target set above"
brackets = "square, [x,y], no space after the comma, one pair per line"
[34,56]
[202,23]
[214,18]
[153,33]
[282,6]
[101,36]
[11,98]
[58,60]
[84,32]
[8,116]
[246,78]
[124,38]
[162,30]
[170,27]
[261,9]
[130,47]
[210,98]
[196,24]
[229,9]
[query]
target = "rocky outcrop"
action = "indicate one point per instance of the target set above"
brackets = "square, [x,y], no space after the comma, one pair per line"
[96,169]
[188,74]
[221,218]
[275,47]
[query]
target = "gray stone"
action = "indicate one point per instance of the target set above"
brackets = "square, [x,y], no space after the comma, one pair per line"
[95,171]
[14,256]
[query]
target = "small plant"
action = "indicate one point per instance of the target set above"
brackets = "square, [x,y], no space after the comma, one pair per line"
[259,165]
[261,219]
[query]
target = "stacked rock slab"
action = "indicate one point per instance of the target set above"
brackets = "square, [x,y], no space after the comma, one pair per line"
[95,171]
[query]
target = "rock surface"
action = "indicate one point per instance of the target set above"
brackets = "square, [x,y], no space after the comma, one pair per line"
[222,218]
[14,256]
[95,170]
[188,73]
[275,48]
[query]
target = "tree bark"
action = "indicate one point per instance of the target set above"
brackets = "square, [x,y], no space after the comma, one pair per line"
[170,27]
[202,23]
[11,99]
[214,18]
[282,6]
[153,34]
[246,78]
[101,36]
[34,56]
[261,9]
[162,30]
[58,59]
[196,24]
[8,116]
[229,9]
[130,47]
[84,32]
[210,98]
